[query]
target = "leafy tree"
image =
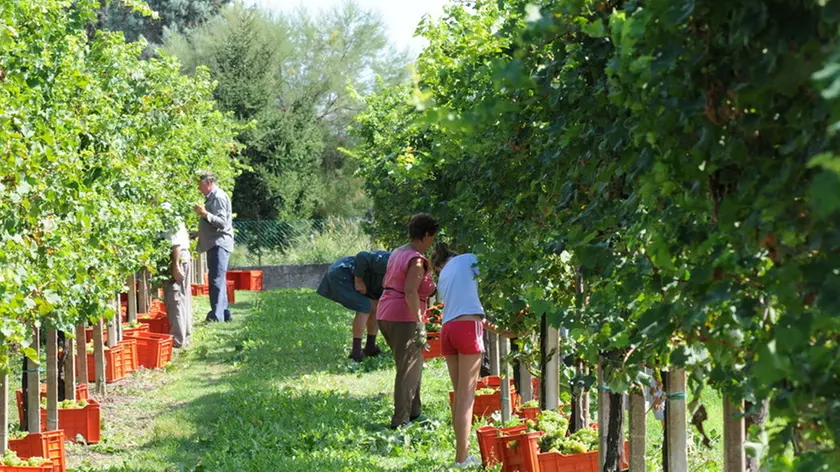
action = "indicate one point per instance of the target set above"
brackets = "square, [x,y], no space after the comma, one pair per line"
[172,15]
[299,80]
[661,181]
[100,152]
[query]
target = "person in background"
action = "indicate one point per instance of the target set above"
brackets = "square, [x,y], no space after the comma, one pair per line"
[461,339]
[407,287]
[215,237]
[356,283]
[177,293]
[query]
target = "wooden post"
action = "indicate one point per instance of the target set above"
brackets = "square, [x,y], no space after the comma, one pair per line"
[81,355]
[4,411]
[52,379]
[131,309]
[638,431]
[70,368]
[493,350]
[551,368]
[143,293]
[734,435]
[526,388]
[676,419]
[33,381]
[505,374]
[603,416]
[99,358]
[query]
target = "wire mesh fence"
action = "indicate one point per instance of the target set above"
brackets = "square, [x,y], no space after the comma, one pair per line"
[275,242]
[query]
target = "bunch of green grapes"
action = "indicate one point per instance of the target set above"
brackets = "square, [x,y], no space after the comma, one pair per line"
[587,437]
[486,391]
[18,434]
[555,426]
[585,440]
[36,461]
[72,404]
[10,458]
[553,423]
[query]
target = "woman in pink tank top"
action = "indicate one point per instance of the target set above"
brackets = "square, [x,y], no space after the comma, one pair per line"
[407,287]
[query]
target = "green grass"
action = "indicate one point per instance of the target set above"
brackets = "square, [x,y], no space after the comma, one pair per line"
[274,391]
[700,458]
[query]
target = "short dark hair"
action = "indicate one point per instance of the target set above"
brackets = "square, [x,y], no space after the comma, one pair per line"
[422,225]
[208,177]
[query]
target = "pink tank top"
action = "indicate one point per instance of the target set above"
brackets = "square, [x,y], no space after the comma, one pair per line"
[392,306]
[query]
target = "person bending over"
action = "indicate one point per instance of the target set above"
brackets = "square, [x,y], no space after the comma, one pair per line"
[356,283]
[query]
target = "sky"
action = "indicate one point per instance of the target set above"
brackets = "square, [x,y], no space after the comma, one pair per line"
[401,16]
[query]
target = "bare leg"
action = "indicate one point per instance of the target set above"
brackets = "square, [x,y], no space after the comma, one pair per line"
[452,365]
[372,325]
[370,349]
[467,377]
[361,321]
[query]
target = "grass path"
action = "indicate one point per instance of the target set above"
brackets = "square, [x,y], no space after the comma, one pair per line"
[271,391]
[274,391]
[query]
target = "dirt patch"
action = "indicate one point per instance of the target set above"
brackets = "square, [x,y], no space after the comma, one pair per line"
[128,410]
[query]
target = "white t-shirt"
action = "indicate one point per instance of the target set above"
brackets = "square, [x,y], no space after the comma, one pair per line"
[179,237]
[458,287]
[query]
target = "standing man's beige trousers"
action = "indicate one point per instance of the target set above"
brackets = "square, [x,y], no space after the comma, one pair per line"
[178,299]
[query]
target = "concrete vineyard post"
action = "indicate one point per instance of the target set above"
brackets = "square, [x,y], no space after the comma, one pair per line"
[99,358]
[33,382]
[638,431]
[504,348]
[52,379]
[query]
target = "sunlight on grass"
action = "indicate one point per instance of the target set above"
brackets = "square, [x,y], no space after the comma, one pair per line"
[274,390]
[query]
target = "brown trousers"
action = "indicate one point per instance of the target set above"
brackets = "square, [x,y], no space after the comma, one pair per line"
[409,360]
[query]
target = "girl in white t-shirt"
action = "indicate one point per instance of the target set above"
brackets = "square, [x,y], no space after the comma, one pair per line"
[461,339]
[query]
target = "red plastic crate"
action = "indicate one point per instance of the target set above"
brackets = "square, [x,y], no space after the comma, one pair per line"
[238,278]
[158,322]
[487,442]
[529,413]
[199,290]
[486,405]
[491,381]
[433,340]
[158,306]
[114,367]
[49,445]
[45,467]
[252,280]
[89,335]
[143,327]
[85,422]
[154,350]
[81,394]
[231,291]
[129,355]
[518,452]
[586,462]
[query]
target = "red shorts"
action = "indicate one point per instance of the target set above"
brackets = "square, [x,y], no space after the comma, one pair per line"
[462,337]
